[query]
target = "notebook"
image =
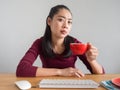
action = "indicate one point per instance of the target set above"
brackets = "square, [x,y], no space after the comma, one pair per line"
[67,83]
[109,85]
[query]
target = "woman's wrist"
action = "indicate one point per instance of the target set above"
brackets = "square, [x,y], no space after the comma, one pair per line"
[92,61]
[59,72]
[96,68]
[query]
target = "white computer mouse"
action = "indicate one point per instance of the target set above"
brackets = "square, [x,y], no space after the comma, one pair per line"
[23,84]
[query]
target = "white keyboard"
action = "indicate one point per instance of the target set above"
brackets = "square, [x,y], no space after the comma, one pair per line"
[67,83]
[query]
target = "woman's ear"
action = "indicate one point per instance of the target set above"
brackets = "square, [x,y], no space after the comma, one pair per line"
[48,21]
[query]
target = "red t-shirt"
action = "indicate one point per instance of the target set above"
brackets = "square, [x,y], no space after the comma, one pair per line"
[26,69]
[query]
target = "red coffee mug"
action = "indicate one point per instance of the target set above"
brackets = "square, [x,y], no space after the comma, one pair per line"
[78,48]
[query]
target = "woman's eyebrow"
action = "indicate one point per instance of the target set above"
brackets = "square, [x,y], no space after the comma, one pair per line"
[65,17]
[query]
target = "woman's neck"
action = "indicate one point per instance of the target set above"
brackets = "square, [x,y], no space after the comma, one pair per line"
[58,45]
[57,41]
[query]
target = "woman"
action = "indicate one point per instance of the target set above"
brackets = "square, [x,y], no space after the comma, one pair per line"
[54,49]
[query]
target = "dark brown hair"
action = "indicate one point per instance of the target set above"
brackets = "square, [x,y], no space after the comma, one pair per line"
[46,42]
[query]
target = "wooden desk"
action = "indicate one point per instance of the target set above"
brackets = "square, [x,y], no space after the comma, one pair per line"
[7,81]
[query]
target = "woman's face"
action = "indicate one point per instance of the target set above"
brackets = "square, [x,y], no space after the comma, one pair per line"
[60,24]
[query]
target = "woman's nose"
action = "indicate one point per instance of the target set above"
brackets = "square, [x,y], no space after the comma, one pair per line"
[65,25]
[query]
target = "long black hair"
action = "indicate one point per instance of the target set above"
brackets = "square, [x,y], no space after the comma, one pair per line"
[46,42]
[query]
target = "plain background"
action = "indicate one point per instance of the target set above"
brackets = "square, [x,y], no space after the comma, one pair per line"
[95,21]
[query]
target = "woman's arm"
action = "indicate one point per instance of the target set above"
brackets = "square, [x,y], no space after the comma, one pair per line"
[91,55]
[59,72]
[25,67]
[47,71]
[96,67]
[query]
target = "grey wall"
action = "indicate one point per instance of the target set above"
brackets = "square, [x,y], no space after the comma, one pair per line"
[95,21]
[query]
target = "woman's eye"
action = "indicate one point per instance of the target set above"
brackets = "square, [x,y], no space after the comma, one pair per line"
[69,22]
[60,19]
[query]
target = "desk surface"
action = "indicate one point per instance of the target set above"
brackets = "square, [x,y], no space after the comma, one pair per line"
[7,81]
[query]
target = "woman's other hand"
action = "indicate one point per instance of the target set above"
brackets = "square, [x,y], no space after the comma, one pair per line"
[91,53]
[70,72]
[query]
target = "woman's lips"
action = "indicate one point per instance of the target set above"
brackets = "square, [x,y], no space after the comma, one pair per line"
[63,31]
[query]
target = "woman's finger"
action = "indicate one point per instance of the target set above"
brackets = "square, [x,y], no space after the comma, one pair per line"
[79,73]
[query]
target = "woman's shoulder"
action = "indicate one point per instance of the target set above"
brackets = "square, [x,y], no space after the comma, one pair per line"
[38,41]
